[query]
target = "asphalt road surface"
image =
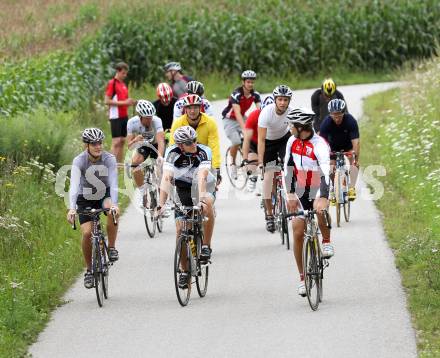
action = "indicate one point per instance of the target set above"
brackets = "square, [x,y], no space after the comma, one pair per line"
[252,308]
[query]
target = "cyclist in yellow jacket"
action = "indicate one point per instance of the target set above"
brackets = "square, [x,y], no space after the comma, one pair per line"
[205,126]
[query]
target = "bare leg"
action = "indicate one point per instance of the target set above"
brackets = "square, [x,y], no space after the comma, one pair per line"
[298,226]
[86,243]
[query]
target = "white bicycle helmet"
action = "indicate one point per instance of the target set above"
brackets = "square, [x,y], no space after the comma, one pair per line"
[172,66]
[145,108]
[268,100]
[301,116]
[92,135]
[282,91]
[185,134]
[248,75]
[195,87]
[336,105]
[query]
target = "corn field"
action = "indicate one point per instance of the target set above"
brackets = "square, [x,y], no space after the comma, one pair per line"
[274,38]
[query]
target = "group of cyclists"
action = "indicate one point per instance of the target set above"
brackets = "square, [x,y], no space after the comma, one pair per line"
[179,132]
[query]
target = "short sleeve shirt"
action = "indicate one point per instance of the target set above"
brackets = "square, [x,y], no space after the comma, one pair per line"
[117,91]
[134,126]
[276,125]
[238,97]
[252,123]
[340,136]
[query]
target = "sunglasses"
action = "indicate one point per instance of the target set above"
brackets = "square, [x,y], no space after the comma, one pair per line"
[190,142]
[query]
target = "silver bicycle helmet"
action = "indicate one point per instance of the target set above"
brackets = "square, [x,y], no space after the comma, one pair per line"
[248,75]
[282,91]
[185,134]
[336,105]
[145,108]
[300,116]
[92,135]
[172,66]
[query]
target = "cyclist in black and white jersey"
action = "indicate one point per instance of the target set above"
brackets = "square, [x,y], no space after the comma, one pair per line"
[94,184]
[273,134]
[145,127]
[188,165]
[193,87]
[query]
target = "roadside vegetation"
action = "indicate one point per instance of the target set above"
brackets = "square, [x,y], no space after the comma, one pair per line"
[401,131]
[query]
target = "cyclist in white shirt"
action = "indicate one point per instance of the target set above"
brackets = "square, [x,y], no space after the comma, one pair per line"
[145,127]
[273,134]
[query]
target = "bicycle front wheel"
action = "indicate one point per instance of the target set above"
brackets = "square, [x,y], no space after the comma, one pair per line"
[105,271]
[202,270]
[285,223]
[98,273]
[238,179]
[182,264]
[149,201]
[311,271]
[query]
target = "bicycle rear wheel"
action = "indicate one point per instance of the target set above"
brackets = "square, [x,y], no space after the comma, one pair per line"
[240,180]
[182,250]
[97,273]
[202,270]
[312,274]
[149,201]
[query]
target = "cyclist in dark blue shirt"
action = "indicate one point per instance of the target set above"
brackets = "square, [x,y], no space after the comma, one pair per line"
[341,131]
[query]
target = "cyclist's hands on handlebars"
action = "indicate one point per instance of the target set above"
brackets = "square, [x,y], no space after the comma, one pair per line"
[71,216]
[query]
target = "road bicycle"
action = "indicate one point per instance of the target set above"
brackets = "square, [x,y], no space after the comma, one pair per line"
[150,197]
[340,185]
[187,253]
[239,177]
[279,205]
[313,262]
[100,262]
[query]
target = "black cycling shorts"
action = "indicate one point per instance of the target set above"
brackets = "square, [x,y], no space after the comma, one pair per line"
[186,198]
[82,204]
[275,149]
[148,152]
[119,127]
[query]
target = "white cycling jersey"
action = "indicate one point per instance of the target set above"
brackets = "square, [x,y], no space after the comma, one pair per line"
[134,126]
[179,110]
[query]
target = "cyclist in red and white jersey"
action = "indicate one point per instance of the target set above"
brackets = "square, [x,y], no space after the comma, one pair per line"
[193,87]
[234,114]
[307,181]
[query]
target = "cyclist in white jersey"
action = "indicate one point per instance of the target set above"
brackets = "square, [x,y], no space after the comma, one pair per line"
[273,134]
[145,127]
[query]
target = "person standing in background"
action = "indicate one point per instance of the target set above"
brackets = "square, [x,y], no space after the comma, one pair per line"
[174,74]
[116,97]
[320,99]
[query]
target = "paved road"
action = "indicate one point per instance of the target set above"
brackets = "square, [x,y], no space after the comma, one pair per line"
[252,308]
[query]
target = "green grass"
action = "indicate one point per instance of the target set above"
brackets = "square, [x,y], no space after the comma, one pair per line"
[401,131]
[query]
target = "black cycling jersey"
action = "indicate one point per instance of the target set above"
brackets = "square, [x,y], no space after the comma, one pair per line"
[165,113]
[237,97]
[339,137]
[320,106]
